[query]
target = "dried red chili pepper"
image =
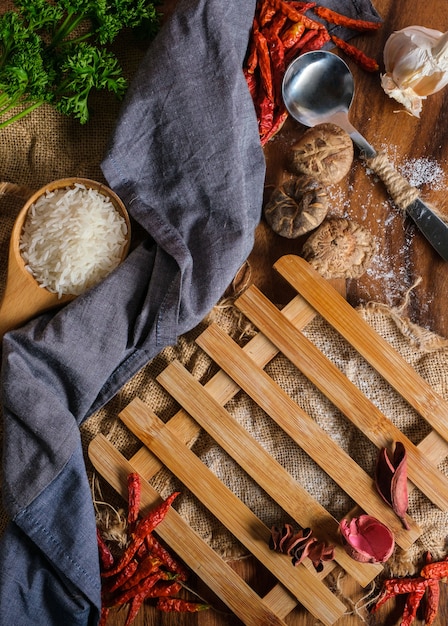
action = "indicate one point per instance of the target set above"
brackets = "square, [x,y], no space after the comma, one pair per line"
[277,23]
[252,83]
[141,589]
[104,615]
[145,568]
[144,527]
[318,41]
[302,6]
[343,20]
[265,108]
[435,571]
[277,54]
[367,63]
[411,606]
[398,586]
[278,122]
[164,590]
[293,14]
[134,498]
[300,44]
[252,59]
[432,603]
[266,12]
[264,63]
[291,35]
[180,606]
[433,596]
[122,577]
[134,607]
[106,557]
[167,559]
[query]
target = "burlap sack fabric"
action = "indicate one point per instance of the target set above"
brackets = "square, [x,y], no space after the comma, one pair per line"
[45,146]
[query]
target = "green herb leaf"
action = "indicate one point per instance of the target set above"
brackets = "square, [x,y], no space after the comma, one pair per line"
[44,56]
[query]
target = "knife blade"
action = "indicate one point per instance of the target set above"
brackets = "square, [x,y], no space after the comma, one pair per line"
[431,225]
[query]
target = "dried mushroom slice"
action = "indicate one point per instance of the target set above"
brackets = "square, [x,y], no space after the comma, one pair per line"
[324,152]
[339,248]
[296,207]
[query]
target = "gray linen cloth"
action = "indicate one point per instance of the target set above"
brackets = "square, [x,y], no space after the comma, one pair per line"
[186,159]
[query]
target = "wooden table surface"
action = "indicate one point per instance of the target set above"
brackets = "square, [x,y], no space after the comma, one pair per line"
[420,148]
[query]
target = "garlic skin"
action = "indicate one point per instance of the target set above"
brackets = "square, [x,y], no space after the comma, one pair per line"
[416,64]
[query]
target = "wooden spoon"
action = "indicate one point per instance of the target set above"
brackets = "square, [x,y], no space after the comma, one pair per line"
[23,297]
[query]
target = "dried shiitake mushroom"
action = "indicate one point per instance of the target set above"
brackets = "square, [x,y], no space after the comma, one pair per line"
[325,152]
[339,248]
[297,206]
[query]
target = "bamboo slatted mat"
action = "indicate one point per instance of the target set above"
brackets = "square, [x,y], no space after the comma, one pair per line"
[203,406]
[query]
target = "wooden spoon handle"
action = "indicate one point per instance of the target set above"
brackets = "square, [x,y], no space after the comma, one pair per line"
[23,298]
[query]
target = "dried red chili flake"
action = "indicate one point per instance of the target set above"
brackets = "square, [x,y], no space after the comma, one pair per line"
[367,63]
[343,20]
[180,606]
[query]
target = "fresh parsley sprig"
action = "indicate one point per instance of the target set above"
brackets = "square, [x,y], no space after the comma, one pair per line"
[56,53]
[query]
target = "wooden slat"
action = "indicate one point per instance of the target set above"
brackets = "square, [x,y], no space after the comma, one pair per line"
[238,518]
[303,430]
[199,557]
[263,468]
[341,391]
[222,387]
[376,350]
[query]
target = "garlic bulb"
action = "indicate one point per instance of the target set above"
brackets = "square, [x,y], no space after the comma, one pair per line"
[416,64]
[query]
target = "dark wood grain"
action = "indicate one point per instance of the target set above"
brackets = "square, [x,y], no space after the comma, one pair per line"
[403,258]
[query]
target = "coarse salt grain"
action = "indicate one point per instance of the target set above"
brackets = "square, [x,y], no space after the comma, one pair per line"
[423,171]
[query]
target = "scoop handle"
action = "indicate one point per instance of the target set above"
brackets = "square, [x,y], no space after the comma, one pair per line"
[340,118]
[23,299]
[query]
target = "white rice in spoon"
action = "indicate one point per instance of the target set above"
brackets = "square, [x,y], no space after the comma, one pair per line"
[72,238]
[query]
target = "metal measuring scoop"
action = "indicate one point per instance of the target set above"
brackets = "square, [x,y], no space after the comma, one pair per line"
[318,87]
